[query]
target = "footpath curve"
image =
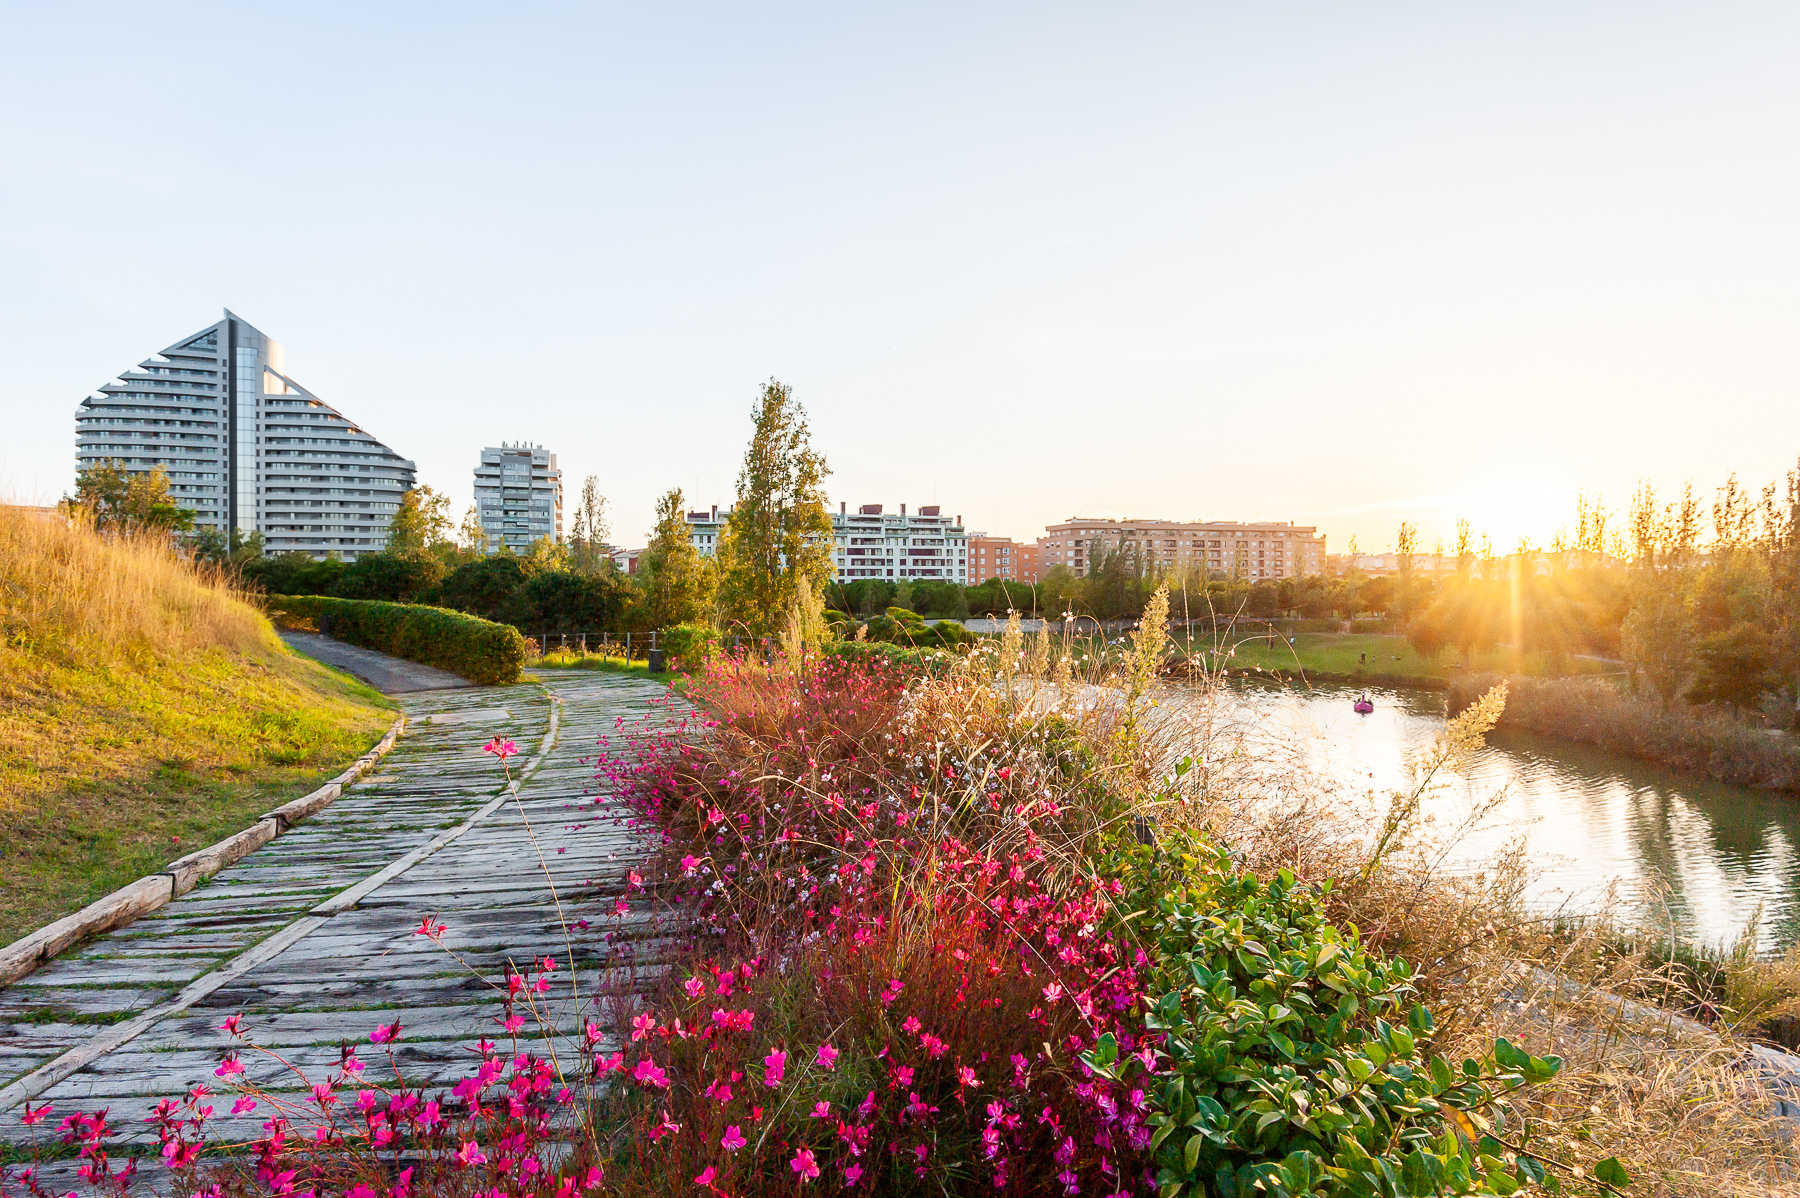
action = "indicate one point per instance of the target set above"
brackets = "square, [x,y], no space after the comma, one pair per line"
[310,936]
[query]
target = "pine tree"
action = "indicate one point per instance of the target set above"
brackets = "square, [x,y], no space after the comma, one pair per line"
[778,539]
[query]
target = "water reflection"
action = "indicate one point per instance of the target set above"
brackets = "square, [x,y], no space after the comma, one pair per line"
[1698,858]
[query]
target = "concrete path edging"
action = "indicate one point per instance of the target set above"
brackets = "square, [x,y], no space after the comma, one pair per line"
[148,893]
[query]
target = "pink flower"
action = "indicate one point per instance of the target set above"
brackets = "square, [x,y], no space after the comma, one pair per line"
[805,1164]
[386,1033]
[470,1154]
[429,1116]
[501,748]
[774,1066]
[243,1105]
[733,1139]
[231,1024]
[648,1073]
[705,1176]
[229,1066]
[827,1056]
[428,928]
[852,1175]
[31,1117]
[821,1110]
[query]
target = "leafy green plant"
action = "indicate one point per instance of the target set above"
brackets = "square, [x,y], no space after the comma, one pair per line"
[480,650]
[690,646]
[1297,1063]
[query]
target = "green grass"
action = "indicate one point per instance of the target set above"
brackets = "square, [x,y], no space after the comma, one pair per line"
[111,768]
[1352,656]
[574,659]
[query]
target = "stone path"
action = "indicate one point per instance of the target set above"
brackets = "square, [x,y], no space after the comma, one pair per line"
[310,937]
[389,675]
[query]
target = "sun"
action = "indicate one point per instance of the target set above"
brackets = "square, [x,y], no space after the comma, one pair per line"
[1513,503]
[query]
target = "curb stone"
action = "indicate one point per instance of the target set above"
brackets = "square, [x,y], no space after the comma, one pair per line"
[145,895]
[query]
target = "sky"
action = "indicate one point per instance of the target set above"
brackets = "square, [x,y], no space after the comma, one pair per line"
[1337,264]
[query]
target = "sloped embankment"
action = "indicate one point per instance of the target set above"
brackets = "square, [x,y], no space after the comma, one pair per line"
[146,709]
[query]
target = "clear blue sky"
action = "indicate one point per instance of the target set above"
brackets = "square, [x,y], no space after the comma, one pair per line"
[1333,263]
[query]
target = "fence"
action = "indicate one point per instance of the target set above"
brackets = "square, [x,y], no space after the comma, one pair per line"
[630,646]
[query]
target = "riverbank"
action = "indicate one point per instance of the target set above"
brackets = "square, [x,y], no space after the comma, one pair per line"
[1369,659]
[1594,712]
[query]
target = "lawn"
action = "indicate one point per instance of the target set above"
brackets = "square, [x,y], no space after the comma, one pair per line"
[1350,655]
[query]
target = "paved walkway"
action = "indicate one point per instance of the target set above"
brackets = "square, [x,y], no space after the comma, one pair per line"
[389,675]
[310,937]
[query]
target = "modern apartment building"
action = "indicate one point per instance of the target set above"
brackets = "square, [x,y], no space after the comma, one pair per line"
[1272,549]
[518,497]
[1004,558]
[873,543]
[247,448]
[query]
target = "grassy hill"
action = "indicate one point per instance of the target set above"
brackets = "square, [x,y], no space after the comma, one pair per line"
[146,710]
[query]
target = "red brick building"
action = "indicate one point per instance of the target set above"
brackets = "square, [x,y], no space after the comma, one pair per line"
[1003,557]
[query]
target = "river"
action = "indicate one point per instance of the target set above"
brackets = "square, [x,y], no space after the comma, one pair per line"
[1713,853]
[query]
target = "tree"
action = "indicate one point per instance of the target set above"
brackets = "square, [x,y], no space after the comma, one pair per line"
[674,580]
[422,523]
[1734,667]
[471,538]
[589,531]
[235,549]
[778,539]
[116,498]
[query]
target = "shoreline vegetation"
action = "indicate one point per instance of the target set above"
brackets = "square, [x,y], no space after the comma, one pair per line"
[146,709]
[1594,712]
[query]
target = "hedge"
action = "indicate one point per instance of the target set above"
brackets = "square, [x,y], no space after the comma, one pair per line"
[480,650]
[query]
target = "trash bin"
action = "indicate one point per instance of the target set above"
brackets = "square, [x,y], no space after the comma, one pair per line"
[656,658]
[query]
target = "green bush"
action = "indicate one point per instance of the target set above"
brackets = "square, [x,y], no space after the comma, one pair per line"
[479,650]
[690,646]
[1297,1062]
[924,660]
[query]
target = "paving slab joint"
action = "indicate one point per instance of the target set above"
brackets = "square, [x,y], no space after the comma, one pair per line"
[139,898]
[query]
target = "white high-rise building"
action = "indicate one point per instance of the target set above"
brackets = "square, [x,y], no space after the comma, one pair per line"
[246,448]
[518,494]
[872,543]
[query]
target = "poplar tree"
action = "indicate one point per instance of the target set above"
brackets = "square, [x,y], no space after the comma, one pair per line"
[676,581]
[777,542]
[589,532]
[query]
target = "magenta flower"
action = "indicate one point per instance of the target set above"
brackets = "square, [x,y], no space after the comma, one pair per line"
[774,1066]
[229,1066]
[501,748]
[31,1117]
[805,1164]
[648,1073]
[827,1056]
[733,1139]
[705,1176]
[470,1154]
[386,1033]
[231,1024]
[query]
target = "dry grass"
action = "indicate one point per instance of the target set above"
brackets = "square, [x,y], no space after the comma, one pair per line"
[145,710]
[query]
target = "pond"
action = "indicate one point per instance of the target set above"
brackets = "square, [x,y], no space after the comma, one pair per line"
[1698,858]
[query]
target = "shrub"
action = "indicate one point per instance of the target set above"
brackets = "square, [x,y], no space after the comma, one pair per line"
[480,650]
[919,660]
[485,586]
[1292,1059]
[690,646]
[394,577]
